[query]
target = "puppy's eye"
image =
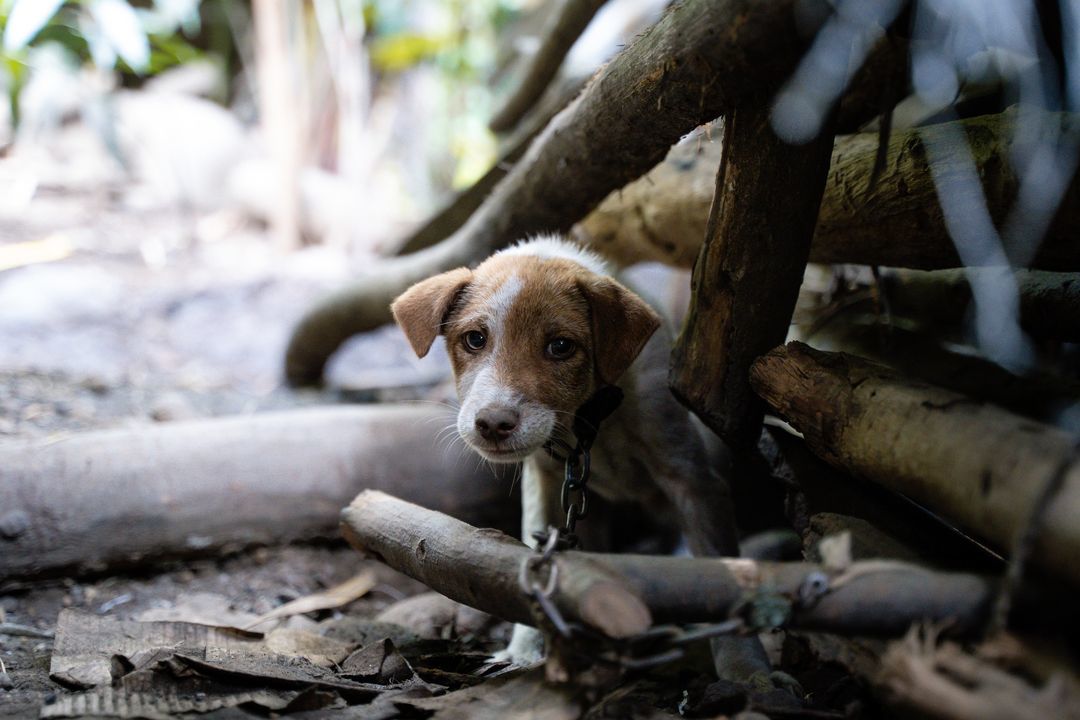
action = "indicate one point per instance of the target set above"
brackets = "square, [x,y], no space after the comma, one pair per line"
[474,340]
[560,348]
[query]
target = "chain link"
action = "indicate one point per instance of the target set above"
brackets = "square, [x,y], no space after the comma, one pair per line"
[658,645]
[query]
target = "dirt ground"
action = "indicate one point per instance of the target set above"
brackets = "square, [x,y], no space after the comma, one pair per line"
[152,313]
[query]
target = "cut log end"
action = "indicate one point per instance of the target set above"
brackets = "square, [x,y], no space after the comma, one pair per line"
[607,607]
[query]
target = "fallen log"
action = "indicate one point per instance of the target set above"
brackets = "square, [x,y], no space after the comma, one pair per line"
[702,59]
[746,278]
[977,465]
[563,28]
[1049,302]
[897,222]
[480,568]
[116,498]
[1040,395]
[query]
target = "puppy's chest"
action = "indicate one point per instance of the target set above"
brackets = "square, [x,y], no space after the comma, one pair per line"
[620,471]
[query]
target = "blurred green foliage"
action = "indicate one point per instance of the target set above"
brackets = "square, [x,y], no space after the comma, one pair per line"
[459,39]
[136,39]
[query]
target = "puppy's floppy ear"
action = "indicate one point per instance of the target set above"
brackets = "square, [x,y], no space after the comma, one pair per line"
[422,309]
[621,324]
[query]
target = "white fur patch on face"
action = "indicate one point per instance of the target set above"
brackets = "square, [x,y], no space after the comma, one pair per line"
[554,246]
[482,388]
[493,312]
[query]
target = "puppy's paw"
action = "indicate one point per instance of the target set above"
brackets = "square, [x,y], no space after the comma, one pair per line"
[526,647]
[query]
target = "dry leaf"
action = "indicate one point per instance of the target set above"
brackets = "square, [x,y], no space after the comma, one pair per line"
[342,594]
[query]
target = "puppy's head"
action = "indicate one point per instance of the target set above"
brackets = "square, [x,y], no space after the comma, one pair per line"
[530,339]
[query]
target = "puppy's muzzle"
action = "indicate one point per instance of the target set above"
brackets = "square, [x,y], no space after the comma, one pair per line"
[496,424]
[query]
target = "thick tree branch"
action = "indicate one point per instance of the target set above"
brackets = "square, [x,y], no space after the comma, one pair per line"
[746,279]
[698,62]
[559,35]
[979,466]
[480,568]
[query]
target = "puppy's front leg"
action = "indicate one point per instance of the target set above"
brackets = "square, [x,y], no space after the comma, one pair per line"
[540,508]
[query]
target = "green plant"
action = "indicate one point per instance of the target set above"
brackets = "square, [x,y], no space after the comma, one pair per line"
[110,34]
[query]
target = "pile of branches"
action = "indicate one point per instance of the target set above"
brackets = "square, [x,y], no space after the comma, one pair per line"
[920,438]
[887,415]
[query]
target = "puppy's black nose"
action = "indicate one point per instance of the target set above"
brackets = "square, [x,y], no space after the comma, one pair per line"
[496,423]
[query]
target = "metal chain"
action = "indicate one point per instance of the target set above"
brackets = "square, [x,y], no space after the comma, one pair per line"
[539,578]
[575,481]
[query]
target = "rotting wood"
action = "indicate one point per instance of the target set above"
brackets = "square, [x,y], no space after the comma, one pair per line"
[977,465]
[97,500]
[702,59]
[662,216]
[480,568]
[563,28]
[746,278]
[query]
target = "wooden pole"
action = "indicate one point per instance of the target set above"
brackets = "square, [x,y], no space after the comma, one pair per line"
[746,278]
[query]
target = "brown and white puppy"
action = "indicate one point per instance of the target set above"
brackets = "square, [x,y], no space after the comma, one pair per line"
[532,333]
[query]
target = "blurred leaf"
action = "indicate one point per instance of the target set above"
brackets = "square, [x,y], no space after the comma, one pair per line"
[68,37]
[171,50]
[404,50]
[16,78]
[26,20]
[102,53]
[120,26]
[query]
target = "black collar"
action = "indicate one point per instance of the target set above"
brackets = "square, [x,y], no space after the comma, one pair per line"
[587,421]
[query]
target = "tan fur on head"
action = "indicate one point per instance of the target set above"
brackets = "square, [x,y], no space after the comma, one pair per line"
[502,321]
[622,323]
[422,309]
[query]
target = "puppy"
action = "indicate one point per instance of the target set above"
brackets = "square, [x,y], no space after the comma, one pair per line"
[532,333]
